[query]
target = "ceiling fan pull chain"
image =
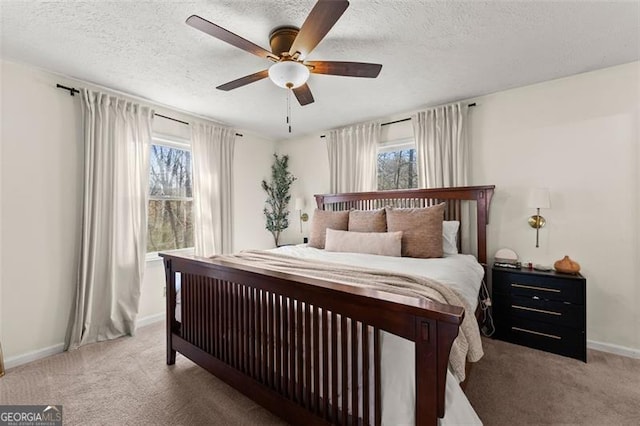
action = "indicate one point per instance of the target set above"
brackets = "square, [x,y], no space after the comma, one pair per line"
[289,109]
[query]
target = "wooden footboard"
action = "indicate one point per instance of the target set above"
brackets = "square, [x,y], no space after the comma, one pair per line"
[295,344]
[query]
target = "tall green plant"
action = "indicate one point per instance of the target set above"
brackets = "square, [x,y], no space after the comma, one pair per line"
[278,196]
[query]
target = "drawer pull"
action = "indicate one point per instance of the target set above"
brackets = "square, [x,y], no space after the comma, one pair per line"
[536,332]
[553,290]
[542,311]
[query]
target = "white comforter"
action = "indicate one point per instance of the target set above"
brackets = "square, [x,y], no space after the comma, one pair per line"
[462,272]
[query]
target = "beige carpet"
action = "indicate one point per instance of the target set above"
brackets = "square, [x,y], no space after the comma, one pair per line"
[517,385]
[127,382]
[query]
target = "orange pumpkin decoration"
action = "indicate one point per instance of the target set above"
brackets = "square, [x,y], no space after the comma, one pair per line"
[567,266]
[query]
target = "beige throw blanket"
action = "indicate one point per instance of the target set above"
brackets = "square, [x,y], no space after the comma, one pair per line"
[467,345]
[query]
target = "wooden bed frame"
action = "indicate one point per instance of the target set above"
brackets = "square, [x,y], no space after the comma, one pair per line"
[258,330]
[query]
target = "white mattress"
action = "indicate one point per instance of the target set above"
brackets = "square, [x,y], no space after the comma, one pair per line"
[460,272]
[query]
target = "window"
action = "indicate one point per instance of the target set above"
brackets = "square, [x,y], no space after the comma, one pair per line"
[170,216]
[397,165]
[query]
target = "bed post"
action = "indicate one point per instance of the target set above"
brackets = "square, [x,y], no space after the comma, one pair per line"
[170,294]
[426,357]
[433,341]
[484,200]
[481,217]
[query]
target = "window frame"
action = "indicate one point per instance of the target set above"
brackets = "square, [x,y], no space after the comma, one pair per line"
[391,146]
[396,145]
[177,143]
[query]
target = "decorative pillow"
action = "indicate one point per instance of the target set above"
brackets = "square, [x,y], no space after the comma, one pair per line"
[380,243]
[450,236]
[368,221]
[421,230]
[323,220]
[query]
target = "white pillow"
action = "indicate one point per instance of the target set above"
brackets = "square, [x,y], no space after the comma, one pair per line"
[450,236]
[380,243]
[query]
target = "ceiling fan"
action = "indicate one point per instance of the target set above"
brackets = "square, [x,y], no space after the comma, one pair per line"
[289,48]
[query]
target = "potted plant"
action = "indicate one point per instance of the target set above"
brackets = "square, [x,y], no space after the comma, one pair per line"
[278,196]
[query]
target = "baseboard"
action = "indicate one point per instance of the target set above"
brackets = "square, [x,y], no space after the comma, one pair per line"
[150,319]
[15,361]
[613,349]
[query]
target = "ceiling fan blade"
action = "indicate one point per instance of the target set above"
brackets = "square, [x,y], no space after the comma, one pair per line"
[243,81]
[303,94]
[349,69]
[322,18]
[225,35]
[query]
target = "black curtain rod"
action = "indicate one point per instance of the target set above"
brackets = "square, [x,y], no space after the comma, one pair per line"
[402,120]
[73,91]
[184,122]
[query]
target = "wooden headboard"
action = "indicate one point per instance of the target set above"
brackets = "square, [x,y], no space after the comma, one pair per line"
[409,198]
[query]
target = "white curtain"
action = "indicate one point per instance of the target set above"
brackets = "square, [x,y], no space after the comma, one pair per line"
[212,147]
[441,146]
[353,158]
[117,135]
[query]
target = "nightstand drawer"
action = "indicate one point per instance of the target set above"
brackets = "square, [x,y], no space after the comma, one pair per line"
[538,309]
[530,285]
[547,337]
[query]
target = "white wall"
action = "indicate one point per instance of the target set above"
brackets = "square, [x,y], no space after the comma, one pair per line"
[579,137]
[253,158]
[41,191]
[309,163]
[41,188]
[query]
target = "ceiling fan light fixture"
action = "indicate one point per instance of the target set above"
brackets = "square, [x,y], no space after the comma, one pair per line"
[289,74]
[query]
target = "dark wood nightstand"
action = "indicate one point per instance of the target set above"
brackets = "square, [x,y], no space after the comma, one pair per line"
[542,310]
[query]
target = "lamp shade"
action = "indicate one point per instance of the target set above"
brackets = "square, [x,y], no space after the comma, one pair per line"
[289,74]
[299,204]
[539,198]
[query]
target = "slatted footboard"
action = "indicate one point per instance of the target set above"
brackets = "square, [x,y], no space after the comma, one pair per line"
[297,345]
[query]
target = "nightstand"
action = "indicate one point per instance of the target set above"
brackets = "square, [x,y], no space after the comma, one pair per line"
[542,310]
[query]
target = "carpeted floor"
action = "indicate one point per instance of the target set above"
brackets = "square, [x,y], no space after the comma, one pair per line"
[127,382]
[514,385]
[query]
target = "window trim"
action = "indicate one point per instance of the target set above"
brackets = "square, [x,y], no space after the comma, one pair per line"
[170,141]
[396,145]
[154,256]
[178,143]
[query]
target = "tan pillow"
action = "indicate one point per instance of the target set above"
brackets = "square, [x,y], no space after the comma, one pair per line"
[323,219]
[421,230]
[368,221]
[380,243]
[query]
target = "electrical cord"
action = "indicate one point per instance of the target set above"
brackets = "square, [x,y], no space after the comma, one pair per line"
[488,328]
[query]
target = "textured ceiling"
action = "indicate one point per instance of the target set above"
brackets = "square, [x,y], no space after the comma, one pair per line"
[432,52]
